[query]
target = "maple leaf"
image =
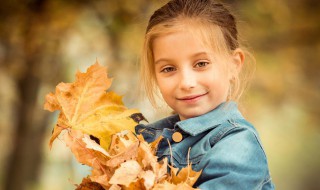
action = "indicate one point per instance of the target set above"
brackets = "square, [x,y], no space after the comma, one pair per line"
[85,105]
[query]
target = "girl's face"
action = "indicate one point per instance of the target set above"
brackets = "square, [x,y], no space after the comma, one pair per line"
[191,78]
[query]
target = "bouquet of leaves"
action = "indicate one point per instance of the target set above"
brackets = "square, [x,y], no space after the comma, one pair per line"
[99,130]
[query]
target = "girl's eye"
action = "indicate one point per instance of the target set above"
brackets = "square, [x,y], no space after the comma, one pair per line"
[167,69]
[201,64]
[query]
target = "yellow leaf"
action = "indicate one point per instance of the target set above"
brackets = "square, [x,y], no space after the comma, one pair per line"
[105,122]
[85,105]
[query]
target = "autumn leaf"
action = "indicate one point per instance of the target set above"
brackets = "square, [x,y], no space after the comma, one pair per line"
[149,178]
[76,99]
[115,187]
[128,153]
[85,105]
[126,173]
[185,175]
[87,184]
[170,186]
[89,157]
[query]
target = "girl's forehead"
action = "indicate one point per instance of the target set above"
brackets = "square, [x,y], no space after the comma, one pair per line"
[180,41]
[206,33]
[209,39]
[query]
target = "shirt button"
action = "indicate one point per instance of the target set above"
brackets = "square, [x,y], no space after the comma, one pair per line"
[177,137]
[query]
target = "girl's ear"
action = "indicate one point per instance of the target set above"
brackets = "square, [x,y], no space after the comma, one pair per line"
[237,62]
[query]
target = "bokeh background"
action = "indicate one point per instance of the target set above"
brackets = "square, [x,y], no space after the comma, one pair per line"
[44,42]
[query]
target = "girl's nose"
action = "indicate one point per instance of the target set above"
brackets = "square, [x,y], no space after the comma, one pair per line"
[187,80]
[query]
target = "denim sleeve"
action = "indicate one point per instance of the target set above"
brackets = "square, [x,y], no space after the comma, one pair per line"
[236,161]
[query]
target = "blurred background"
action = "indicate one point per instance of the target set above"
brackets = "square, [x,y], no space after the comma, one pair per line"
[44,42]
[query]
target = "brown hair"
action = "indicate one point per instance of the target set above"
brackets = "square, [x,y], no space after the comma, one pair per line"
[214,20]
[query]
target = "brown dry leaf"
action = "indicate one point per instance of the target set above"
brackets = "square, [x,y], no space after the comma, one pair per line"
[101,179]
[87,184]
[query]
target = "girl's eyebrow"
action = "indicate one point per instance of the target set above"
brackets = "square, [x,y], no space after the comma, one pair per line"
[192,56]
[161,59]
[200,54]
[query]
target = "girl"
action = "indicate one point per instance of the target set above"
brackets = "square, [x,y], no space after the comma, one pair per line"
[192,56]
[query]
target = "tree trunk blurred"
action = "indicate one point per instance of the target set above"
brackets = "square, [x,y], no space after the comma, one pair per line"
[26,154]
[29,51]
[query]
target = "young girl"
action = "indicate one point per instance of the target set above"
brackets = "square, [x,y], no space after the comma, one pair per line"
[193,57]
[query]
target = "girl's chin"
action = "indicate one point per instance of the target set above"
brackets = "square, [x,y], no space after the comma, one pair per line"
[184,116]
[187,114]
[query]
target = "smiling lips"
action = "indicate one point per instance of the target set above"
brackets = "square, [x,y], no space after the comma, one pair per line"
[192,98]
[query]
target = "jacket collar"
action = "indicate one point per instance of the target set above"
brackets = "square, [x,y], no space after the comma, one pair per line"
[194,126]
[222,113]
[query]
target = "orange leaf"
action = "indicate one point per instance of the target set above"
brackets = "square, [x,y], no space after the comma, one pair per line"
[185,175]
[126,173]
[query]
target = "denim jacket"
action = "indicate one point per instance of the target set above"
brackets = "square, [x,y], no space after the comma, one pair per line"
[222,144]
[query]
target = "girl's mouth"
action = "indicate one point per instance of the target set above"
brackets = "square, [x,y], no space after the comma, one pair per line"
[192,98]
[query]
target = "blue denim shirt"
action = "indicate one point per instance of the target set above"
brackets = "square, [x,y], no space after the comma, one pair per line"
[223,145]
